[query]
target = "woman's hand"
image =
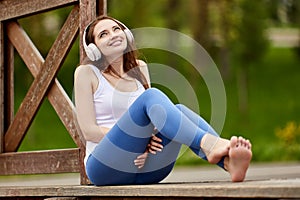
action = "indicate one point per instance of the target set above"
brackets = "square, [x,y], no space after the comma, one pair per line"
[140,160]
[153,146]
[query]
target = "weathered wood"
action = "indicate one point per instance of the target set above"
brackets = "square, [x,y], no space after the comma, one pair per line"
[56,95]
[25,47]
[101,7]
[40,162]
[9,83]
[2,93]
[20,8]
[62,198]
[276,189]
[37,91]
[87,14]
[44,72]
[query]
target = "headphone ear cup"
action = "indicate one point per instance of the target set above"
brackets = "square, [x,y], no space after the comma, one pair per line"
[129,35]
[93,52]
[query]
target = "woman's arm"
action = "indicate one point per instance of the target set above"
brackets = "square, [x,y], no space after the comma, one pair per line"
[144,70]
[155,142]
[85,83]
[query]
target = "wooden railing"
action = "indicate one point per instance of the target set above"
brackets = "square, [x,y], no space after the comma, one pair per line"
[13,127]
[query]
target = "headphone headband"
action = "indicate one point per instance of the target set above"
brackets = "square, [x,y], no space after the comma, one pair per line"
[92,51]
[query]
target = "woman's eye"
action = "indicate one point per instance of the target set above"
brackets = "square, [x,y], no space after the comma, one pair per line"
[102,34]
[117,28]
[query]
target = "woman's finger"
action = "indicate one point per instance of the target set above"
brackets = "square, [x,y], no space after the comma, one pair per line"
[155,144]
[152,151]
[155,148]
[157,139]
[139,162]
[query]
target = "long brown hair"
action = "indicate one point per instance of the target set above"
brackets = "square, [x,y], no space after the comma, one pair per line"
[130,64]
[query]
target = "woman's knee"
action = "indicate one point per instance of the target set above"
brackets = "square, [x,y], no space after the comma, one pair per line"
[152,92]
[180,106]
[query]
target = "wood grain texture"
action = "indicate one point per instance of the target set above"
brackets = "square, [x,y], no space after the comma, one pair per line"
[56,95]
[272,189]
[38,89]
[2,93]
[40,162]
[19,8]
[87,14]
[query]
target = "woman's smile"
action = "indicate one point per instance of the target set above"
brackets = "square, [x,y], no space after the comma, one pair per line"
[110,38]
[116,42]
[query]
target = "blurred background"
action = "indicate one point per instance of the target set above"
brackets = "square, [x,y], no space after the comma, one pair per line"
[254,43]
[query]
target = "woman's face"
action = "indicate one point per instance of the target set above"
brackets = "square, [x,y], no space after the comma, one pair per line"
[110,38]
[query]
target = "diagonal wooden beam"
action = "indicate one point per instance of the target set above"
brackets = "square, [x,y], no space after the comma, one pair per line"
[41,83]
[56,95]
[18,8]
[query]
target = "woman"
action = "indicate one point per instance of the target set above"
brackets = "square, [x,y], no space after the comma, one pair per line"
[134,132]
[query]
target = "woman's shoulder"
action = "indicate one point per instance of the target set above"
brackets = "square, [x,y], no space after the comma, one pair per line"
[82,69]
[85,72]
[141,63]
[144,69]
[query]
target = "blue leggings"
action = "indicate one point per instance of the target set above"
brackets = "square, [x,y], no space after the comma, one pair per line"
[112,161]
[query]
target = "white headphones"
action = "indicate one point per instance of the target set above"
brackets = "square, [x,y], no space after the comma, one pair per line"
[92,51]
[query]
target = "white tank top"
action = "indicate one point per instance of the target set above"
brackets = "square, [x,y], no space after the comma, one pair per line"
[110,104]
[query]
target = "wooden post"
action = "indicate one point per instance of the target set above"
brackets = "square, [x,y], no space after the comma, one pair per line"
[9,82]
[87,14]
[101,7]
[2,117]
[14,127]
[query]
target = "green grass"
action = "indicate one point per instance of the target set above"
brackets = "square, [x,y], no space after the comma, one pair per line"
[274,97]
[274,101]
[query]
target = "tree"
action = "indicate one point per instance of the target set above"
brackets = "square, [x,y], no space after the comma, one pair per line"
[250,44]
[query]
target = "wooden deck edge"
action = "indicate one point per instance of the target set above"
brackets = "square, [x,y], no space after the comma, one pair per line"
[276,189]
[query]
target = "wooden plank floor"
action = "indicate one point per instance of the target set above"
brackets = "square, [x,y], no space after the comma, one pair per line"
[289,188]
[278,189]
[274,181]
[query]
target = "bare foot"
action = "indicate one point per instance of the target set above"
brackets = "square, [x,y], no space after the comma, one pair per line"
[214,148]
[239,158]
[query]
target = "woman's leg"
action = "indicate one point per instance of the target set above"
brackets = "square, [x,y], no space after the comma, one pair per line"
[158,166]
[201,123]
[130,136]
[197,119]
[111,165]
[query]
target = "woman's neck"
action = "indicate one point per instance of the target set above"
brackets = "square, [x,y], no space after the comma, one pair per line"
[117,65]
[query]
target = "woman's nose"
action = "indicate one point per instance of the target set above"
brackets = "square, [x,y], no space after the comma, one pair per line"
[114,34]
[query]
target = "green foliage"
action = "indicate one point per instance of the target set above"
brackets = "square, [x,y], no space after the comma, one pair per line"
[289,135]
[250,43]
[274,94]
[289,140]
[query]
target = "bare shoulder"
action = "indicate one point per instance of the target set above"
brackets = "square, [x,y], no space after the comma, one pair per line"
[84,77]
[143,66]
[141,63]
[82,70]
[144,69]
[84,74]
